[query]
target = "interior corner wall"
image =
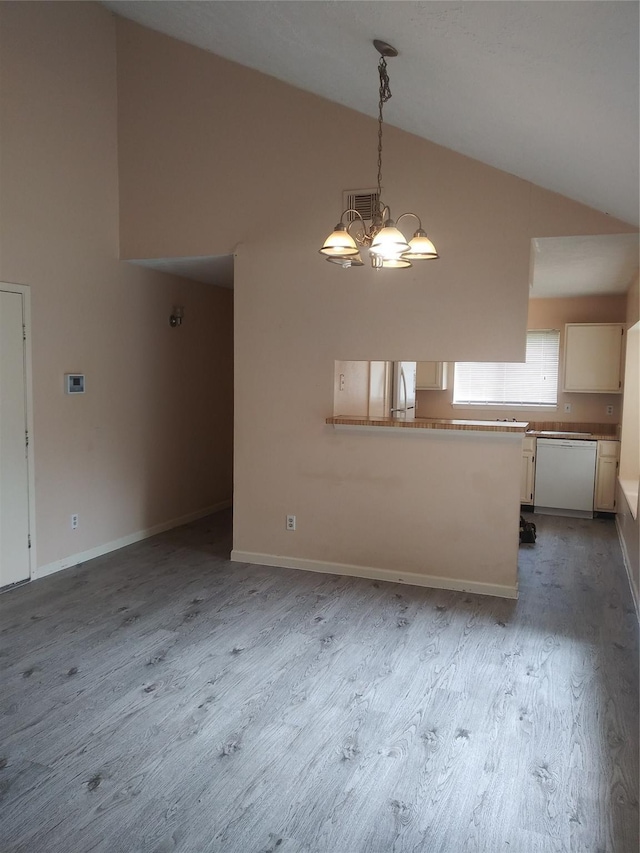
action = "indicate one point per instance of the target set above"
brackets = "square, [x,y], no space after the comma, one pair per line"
[214,158]
[633,302]
[151,439]
[628,526]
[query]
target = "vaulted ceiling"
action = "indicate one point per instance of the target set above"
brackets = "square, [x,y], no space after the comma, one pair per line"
[548,91]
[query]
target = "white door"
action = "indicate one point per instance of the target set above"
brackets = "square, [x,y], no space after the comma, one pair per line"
[14,472]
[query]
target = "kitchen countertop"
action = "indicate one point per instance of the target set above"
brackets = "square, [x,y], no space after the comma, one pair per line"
[587,431]
[539,429]
[510,427]
[585,436]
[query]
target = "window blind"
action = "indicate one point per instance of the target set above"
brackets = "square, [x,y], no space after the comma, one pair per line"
[534,383]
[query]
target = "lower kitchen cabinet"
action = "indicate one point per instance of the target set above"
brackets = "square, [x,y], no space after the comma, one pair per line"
[606,476]
[528,474]
[604,498]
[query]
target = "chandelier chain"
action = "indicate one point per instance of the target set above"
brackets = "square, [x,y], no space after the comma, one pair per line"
[385,94]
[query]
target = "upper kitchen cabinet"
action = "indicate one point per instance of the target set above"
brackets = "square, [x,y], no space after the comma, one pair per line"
[593,358]
[431,376]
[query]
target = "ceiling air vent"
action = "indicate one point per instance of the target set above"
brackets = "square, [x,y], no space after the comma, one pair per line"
[364,201]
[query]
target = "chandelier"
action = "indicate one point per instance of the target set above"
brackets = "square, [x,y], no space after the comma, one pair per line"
[387,245]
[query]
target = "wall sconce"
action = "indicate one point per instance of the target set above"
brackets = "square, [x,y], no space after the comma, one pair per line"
[176,318]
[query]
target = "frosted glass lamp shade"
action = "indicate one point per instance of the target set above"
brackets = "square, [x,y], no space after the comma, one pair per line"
[421,248]
[389,242]
[347,263]
[339,244]
[395,263]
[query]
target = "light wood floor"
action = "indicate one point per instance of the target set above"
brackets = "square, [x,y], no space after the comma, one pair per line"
[164,700]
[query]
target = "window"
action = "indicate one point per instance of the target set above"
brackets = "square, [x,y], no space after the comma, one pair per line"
[534,383]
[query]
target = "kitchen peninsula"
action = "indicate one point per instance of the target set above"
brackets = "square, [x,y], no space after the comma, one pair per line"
[446,505]
[461,425]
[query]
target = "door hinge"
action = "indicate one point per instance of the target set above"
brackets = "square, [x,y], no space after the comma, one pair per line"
[29,541]
[26,438]
[24,332]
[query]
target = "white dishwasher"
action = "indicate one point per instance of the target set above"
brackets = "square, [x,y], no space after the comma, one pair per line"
[565,477]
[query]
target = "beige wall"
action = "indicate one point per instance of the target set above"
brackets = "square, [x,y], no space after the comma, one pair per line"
[546,314]
[214,156]
[151,439]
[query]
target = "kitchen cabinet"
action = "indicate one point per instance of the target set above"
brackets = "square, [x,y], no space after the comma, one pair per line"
[593,358]
[362,388]
[431,376]
[528,471]
[606,476]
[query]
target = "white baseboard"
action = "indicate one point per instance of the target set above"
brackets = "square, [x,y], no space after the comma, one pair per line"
[500,590]
[114,545]
[627,565]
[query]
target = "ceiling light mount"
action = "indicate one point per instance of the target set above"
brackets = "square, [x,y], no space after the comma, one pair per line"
[384,48]
[388,247]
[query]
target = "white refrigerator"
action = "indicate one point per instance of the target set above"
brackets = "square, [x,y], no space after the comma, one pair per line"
[404,390]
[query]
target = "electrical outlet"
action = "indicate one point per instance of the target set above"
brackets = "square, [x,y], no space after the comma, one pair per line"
[74,521]
[291,522]
[567,408]
[609,410]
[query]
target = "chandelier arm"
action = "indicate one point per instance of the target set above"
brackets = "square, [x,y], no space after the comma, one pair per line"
[360,237]
[410,213]
[351,210]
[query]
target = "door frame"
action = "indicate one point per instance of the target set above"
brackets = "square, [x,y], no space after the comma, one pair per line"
[25,291]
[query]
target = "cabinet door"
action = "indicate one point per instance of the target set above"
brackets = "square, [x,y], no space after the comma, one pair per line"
[431,376]
[527,472]
[606,484]
[606,476]
[593,357]
[526,479]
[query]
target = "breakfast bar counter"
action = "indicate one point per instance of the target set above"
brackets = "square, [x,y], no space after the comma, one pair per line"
[508,427]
